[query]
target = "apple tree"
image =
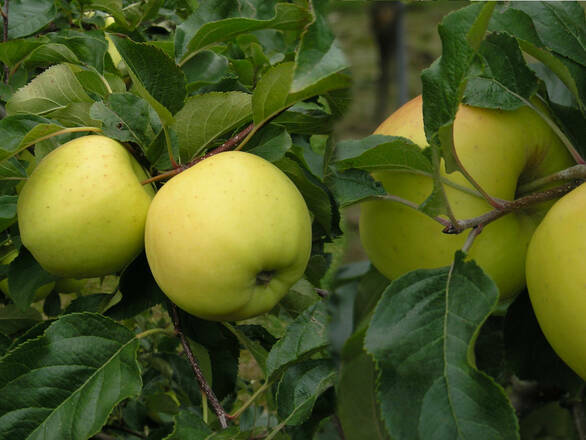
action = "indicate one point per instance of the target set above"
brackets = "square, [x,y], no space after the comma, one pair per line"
[435,337]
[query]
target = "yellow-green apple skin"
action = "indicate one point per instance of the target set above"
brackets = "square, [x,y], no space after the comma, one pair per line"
[556,278]
[226,238]
[82,211]
[500,149]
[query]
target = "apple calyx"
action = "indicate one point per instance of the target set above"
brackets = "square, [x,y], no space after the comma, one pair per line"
[264,277]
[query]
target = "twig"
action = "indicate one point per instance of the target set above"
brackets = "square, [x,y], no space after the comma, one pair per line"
[228,145]
[575,172]
[338,426]
[323,293]
[520,203]
[203,385]
[5,36]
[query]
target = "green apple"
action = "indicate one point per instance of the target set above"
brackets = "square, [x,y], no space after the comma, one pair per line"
[70,285]
[556,278]
[226,238]
[500,149]
[82,211]
[41,293]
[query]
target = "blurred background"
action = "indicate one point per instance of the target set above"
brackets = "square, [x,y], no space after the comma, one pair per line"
[388,44]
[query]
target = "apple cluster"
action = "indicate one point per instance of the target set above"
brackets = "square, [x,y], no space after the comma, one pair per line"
[541,246]
[225,239]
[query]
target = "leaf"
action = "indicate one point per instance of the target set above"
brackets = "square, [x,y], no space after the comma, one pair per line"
[13,52]
[25,17]
[354,186]
[507,83]
[189,424]
[89,47]
[357,403]
[382,152]
[95,303]
[4,344]
[67,381]
[12,319]
[25,276]
[53,89]
[205,117]
[7,211]
[206,67]
[15,131]
[528,353]
[303,337]
[318,56]
[317,196]
[127,117]
[254,347]
[51,53]
[270,143]
[139,290]
[300,387]
[210,25]
[156,76]
[422,337]
[271,92]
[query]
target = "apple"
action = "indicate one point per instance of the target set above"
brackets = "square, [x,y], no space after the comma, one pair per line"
[556,278]
[500,149]
[226,238]
[82,211]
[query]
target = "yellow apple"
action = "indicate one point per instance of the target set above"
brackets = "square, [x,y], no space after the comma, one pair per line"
[500,149]
[226,238]
[82,211]
[556,278]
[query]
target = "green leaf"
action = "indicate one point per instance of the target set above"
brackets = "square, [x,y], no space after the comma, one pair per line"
[189,424]
[24,131]
[76,114]
[127,117]
[95,303]
[354,186]
[4,344]
[53,89]
[357,403]
[156,76]
[270,143]
[13,52]
[317,196]
[139,290]
[68,380]
[210,24]
[422,339]
[51,53]
[256,349]
[272,90]
[89,47]
[205,117]
[528,353]
[506,82]
[300,387]
[319,55]
[25,276]
[12,319]
[303,337]
[25,17]
[382,152]
[7,210]
[205,68]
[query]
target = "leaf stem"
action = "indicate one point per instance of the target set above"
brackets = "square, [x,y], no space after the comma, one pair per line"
[410,204]
[153,331]
[203,385]
[249,402]
[60,132]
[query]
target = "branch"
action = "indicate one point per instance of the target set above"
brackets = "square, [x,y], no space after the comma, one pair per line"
[203,385]
[228,145]
[523,202]
[4,14]
[575,172]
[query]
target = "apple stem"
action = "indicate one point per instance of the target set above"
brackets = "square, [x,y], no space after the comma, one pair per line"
[228,145]
[203,385]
